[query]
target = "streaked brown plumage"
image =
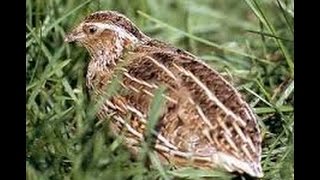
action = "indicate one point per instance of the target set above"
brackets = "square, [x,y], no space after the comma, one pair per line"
[205,121]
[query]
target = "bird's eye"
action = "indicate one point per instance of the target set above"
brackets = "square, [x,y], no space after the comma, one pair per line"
[90,29]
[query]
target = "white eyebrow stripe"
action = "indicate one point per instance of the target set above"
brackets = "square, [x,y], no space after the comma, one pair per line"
[121,32]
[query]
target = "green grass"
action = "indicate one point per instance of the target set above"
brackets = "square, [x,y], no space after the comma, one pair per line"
[249,41]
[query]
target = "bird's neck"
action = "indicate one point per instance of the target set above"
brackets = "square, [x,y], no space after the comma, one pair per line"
[106,54]
[105,57]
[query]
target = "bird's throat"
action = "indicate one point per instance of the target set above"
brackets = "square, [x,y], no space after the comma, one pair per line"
[105,55]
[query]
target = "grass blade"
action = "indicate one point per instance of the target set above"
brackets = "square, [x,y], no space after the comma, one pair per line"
[204,41]
[156,109]
[286,93]
[265,110]
[46,31]
[255,7]
[290,26]
[269,35]
[197,173]
[156,162]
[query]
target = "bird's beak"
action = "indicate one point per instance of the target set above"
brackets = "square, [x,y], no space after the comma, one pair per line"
[73,36]
[69,38]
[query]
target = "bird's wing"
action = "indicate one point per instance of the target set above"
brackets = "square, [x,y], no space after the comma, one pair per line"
[204,116]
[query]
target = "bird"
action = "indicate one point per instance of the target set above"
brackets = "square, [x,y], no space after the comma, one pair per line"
[204,121]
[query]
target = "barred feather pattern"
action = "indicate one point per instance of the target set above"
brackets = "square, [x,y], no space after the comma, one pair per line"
[205,122]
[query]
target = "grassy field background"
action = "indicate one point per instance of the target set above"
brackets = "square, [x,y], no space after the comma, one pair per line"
[249,41]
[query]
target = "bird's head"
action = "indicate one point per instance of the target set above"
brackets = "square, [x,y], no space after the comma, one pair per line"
[105,34]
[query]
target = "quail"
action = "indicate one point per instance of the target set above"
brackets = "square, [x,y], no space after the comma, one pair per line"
[204,122]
